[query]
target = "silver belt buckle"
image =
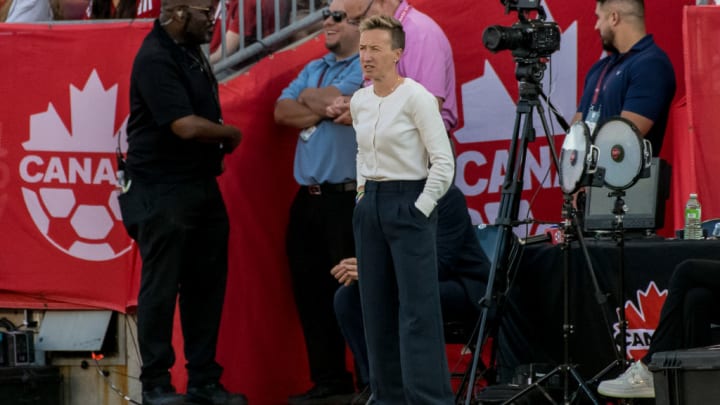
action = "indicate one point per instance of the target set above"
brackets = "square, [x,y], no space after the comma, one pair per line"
[315,189]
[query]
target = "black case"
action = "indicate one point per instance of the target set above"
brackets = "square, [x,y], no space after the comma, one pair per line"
[687,377]
[31,385]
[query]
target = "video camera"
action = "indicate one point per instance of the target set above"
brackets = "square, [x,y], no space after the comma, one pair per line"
[527,38]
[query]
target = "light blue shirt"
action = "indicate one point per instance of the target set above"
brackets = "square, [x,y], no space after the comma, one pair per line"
[328,156]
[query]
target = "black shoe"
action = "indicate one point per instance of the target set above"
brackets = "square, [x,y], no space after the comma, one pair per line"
[362,397]
[214,394]
[323,395]
[162,395]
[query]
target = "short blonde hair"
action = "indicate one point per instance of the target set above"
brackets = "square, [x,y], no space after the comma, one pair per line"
[389,24]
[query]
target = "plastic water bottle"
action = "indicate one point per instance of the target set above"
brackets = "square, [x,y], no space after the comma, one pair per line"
[693,215]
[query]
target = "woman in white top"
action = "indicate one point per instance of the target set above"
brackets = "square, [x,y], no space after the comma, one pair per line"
[404,166]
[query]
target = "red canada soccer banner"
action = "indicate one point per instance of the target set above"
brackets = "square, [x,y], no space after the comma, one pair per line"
[60,127]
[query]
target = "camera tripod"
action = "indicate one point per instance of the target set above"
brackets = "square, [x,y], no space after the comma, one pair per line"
[529,73]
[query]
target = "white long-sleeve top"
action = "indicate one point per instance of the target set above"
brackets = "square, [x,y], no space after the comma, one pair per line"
[402,137]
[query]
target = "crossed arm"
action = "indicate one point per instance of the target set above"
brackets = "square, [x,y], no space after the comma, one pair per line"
[308,109]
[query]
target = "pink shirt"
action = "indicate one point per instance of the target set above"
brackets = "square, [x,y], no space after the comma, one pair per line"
[428,59]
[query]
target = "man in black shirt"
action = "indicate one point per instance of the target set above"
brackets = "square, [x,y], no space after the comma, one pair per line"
[171,203]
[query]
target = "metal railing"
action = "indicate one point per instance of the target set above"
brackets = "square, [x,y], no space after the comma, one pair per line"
[288,18]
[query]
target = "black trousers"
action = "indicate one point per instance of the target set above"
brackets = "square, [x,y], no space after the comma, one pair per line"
[182,234]
[320,235]
[398,280]
[692,304]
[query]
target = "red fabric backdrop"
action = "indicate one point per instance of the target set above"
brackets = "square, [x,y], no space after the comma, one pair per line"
[261,345]
[697,156]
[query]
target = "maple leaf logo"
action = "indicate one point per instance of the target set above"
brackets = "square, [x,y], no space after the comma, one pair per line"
[642,320]
[92,117]
[69,176]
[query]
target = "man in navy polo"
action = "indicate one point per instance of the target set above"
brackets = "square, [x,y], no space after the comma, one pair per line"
[635,81]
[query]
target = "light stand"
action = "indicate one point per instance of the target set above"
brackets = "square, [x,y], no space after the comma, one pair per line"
[619,209]
[619,234]
[626,157]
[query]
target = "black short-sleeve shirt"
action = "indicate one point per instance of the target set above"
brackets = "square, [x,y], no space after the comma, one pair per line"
[168,82]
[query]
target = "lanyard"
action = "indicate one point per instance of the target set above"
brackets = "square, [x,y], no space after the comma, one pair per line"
[599,83]
[322,75]
[325,69]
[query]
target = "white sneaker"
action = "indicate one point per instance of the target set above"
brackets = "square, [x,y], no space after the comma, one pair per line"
[635,382]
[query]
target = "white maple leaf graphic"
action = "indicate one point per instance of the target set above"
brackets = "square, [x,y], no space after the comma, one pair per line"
[486,96]
[93,117]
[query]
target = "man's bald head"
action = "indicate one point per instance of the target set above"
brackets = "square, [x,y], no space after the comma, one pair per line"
[621,23]
[629,8]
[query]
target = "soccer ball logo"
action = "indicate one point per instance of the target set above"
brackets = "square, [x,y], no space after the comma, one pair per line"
[70,187]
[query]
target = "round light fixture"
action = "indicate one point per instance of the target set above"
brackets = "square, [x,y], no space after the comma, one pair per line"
[577,158]
[622,152]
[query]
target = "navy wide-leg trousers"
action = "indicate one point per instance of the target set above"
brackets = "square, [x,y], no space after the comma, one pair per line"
[398,280]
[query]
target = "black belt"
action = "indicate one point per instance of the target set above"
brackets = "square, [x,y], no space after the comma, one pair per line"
[330,188]
[395,186]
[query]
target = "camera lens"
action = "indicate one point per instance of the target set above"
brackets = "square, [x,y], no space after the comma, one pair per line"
[498,38]
[491,37]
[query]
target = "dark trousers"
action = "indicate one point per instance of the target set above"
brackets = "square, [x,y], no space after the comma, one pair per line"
[182,234]
[455,303]
[319,236]
[398,280]
[350,318]
[692,304]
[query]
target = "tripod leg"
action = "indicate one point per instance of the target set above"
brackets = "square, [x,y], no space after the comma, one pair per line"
[476,355]
[582,385]
[509,206]
[603,372]
[464,383]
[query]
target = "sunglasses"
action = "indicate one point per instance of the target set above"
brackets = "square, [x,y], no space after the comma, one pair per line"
[337,16]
